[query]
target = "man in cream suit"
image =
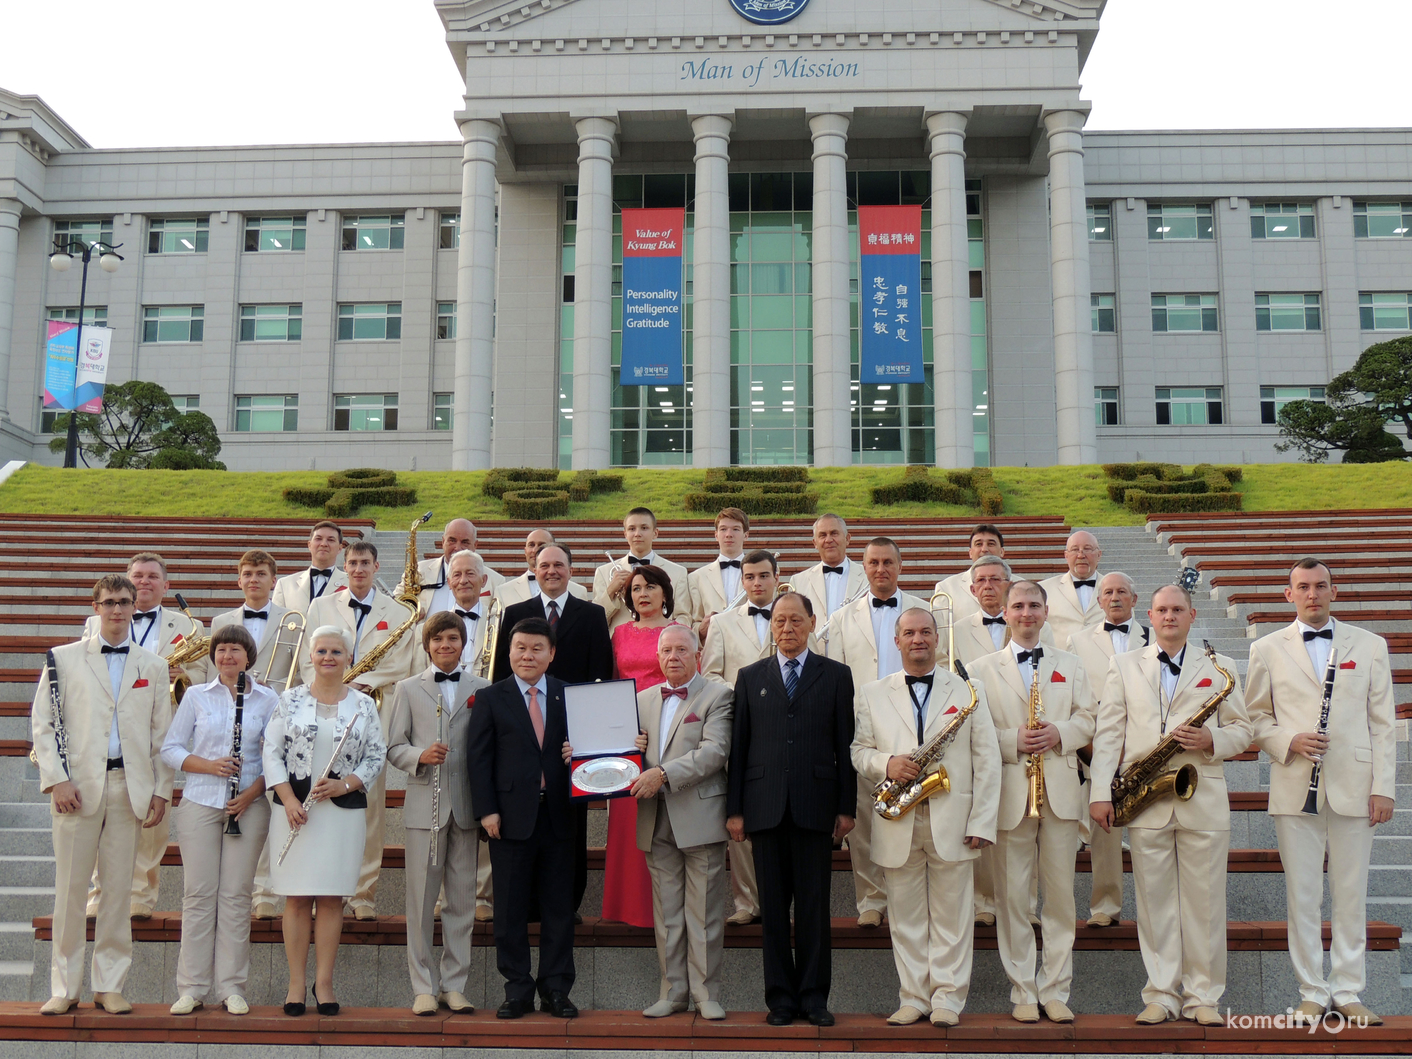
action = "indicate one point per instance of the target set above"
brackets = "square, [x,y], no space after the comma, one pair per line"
[428,729]
[862,638]
[1038,840]
[518,589]
[610,581]
[160,630]
[371,617]
[1096,645]
[322,577]
[985,540]
[925,855]
[458,536]
[1357,752]
[1073,595]
[715,585]
[1178,847]
[835,578]
[681,822]
[109,785]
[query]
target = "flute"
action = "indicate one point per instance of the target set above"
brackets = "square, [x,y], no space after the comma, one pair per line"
[436,788]
[233,825]
[1311,797]
[309,800]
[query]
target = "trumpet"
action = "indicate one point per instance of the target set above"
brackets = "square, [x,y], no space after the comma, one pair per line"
[290,624]
[949,609]
[486,659]
[194,647]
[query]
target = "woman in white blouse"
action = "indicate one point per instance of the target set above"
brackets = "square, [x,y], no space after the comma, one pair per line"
[219,868]
[324,859]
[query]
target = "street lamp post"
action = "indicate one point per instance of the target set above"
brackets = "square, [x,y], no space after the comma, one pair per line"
[61,260]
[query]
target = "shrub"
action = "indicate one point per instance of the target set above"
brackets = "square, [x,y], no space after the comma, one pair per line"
[764,474]
[1129,471]
[1167,503]
[350,490]
[1162,488]
[586,483]
[535,503]
[754,503]
[499,479]
[764,487]
[974,487]
[988,494]
[1117,490]
[362,478]
[308,496]
[345,502]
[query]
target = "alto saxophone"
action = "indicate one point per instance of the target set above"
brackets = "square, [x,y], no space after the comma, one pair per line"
[1148,779]
[1034,766]
[194,647]
[892,798]
[409,597]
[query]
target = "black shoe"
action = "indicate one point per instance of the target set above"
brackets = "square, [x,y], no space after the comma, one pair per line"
[779,1017]
[578,920]
[294,1008]
[330,1008]
[514,1009]
[559,1005]
[821,1017]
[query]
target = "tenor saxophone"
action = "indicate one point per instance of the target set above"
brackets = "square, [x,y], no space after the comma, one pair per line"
[409,597]
[1034,766]
[194,647]
[892,798]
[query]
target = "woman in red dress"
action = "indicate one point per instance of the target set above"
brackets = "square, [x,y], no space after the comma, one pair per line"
[627,888]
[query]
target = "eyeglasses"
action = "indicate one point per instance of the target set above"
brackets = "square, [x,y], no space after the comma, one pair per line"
[1085,550]
[116,604]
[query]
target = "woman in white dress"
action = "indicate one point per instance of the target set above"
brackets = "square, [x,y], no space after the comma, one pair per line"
[326,854]
[219,867]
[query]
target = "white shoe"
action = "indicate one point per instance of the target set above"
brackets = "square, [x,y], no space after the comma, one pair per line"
[709,1009]
[424,1004]
[236,1005]
[904,1016]
[662,1009]
[944,1017]
[58,1005]
[185,1006]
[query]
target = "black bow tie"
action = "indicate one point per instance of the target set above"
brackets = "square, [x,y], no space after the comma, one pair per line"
[314,571]
[1081,584]
[529,577]
[890,602]
[1322,634]
[1108,626]
[473,615]
[764,612]
[927,680]
[1166,660]
[730,562]
[439,676]
[145,615]
[633,560]
[833,569]
[1032,656]
[366,608]
[263,615]
[115,650]
[992,621]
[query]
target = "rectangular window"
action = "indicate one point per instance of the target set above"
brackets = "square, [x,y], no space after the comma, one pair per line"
[1287,312]
[365,411]
[186,402]
[93,315]
[445,319]
[381,232]
[173,323]
[450,231]
[271,323]
[1100,222]
[1105,405]
[1103,313]
[370,321]
[178,235]
[1166,222]
[274,234]
[86,232]
[1273,398]
[1384,312]
[441,417]
[274,414]
[1281,220]
[1382,220]
[1184,312]
[1184,406]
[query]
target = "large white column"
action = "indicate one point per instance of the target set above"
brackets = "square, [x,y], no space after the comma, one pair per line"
[9,257]
[833,444]
[475,297]
[1068,250]
[593,293]
[951,291]
[711,295]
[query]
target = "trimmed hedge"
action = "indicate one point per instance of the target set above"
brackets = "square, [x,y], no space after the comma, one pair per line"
[500,479]
[585,483]
[754,503]
[763,474]
[1118,490]
[1167,503]
[764,487]
[1129,471]
[350,490]
[362,478]
[1165,488]
[536,503]
[346,502]
[974,487]
[308,496]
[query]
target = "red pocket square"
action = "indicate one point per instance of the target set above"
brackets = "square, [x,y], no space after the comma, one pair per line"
[140,682]
[690,718]
[1204,682]
[1348,665]
[382,627]
[1057,678]
[952,710]
[178,638]
[341,588]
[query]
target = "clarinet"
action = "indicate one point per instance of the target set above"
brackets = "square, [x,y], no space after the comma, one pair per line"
[56,709]
[1311,797]
[233,825]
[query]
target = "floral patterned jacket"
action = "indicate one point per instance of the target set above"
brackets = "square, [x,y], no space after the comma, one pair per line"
[289,739]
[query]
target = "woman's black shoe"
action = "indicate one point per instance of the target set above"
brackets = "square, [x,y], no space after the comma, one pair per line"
[330,1008]
[294,1008]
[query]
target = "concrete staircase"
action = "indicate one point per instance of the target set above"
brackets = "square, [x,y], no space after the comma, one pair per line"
[26,875]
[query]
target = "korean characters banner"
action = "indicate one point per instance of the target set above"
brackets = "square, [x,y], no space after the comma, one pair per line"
[890,291]
[72,381]
[653,242]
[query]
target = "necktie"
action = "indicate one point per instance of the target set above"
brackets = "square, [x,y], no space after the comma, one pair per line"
[1322,634]
[471,615]
[892,602]
[633,560]
[1166,660]
[917,701]
[764,612]
[992,621]
[114,650]
[667,693]
[439,676]
[553,614]
[1108,626]
[1085,584]
[791,676]
[833,569]
[730,562]
[263,615]
[537,719]
[1032,657]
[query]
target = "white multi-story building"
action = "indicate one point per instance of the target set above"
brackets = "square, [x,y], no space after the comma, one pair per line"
[1087,296]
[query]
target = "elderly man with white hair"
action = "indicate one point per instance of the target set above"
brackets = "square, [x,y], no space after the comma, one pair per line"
[459,535]
[1073,595]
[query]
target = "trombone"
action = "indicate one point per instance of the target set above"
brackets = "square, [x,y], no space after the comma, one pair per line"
[948,612]
[780,589]
[827,628]
[291,635]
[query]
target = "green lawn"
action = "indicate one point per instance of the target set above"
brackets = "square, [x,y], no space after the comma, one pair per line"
[1077,493]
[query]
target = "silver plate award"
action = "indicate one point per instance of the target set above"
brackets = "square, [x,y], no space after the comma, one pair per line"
[606,775]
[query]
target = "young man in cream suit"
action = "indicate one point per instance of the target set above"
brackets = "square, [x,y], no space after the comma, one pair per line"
[1036,840]
[109,786]
[427,730]
[458,536]
[1178,847]
[610,580]
[985,540]
[835,578]
[1096,645]
[322,577]
[862,638]
[160,630]
[681,822]
[1357,775]
[1073,595]
[371,617]
[715,585]
[518,589]
[925,855]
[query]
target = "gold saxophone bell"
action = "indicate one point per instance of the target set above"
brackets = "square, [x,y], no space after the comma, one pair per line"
[194,647]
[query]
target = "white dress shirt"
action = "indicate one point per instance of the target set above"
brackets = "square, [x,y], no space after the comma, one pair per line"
[1318,648]
[116,662]
[996,631]
[762,626]
[204,725]
[144,630]
[558,600]
[669,711]
[360,616]
[730,575]
[318,582]
[885,636]
[468,651]
[255,626]
[449,694]
[1027,666]
[781,660]
[921,698]
[1121,638]
[1169,679]
[835,585]
[1085,594]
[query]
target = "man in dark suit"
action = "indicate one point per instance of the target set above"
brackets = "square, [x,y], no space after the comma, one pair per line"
[520,791]
[792,790]
[584,654]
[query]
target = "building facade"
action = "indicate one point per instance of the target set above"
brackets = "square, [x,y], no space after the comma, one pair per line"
[1086,296]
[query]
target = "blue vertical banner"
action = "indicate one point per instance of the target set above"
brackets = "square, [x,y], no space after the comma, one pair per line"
[73,381]
[890,293]
[653,242]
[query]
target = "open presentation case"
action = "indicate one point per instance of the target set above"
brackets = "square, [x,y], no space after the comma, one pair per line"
[603,731]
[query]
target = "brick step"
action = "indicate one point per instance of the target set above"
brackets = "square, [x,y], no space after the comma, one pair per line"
[169,521]
[1383,564]
[1278,578]
[1358,617]
[1158,523]
[1356,600]
[1315,532]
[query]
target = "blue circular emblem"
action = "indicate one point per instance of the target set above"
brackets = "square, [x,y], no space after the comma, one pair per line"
[768,12]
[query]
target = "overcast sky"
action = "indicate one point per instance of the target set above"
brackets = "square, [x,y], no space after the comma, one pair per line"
[160,73]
